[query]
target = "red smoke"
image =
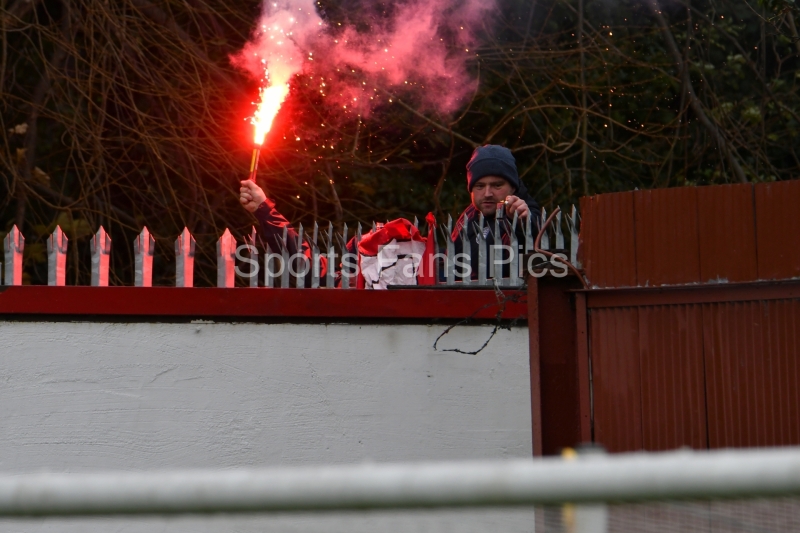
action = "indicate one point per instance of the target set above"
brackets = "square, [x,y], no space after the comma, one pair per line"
[419,49]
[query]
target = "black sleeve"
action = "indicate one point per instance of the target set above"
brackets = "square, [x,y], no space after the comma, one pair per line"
[466,220]
[272,225]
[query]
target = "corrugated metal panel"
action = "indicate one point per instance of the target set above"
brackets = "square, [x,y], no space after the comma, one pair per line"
[673,384]
[726,225]
[607,241]
[691,234]
[673,373]
[616,378]
[753,373]
[667,249]
[778,229]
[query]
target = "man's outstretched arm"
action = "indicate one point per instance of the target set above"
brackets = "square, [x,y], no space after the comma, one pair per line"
[272,223]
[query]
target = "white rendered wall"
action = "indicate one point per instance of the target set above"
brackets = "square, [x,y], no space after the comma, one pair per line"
[78,397]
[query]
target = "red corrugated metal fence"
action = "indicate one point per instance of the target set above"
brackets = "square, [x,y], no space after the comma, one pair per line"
[693,317]
[724,233]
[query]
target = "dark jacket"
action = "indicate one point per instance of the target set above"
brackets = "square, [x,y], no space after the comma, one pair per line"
[271,223]
[469,217]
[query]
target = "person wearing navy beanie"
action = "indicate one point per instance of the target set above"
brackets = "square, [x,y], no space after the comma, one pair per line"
[493,181]
[492,160]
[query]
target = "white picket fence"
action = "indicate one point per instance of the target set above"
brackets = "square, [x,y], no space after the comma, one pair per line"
[327,243]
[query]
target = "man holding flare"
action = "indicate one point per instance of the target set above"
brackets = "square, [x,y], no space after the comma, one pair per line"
[492,181]
[272,223]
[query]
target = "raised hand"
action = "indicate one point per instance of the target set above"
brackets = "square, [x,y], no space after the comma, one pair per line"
[251,196]
[515,205]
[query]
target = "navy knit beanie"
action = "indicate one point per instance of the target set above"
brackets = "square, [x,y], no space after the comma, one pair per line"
[492,160]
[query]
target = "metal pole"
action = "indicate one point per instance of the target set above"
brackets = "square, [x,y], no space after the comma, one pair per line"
[185,247]
[101,249]
[545,242]
[622,478]
[496,267]
[559,232]
[13,246]
[57,258]
[252,253]
[269,273]
[331,258]
[226,253]
[315,266]
[450,252]
[482,252]
[514,277]
[467,251]
[300,279]
[345,276]
[143,250]
[285,258]
[586,517]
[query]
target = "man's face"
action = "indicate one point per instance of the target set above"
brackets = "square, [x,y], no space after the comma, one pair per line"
[488,191]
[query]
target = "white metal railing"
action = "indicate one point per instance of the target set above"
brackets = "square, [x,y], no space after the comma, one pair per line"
[638,477]
[324,243]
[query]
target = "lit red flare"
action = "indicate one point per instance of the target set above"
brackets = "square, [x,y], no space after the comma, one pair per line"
[269,103]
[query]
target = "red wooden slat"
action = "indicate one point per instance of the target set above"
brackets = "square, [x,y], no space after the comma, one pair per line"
[616,379]
[726,225]
[608,244]
[673,395]
[753,373]
[778,229]
[667,248]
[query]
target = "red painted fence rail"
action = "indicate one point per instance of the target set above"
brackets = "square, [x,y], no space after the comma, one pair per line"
[446,304]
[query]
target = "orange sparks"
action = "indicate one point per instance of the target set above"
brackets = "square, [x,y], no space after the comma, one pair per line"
[270,102]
